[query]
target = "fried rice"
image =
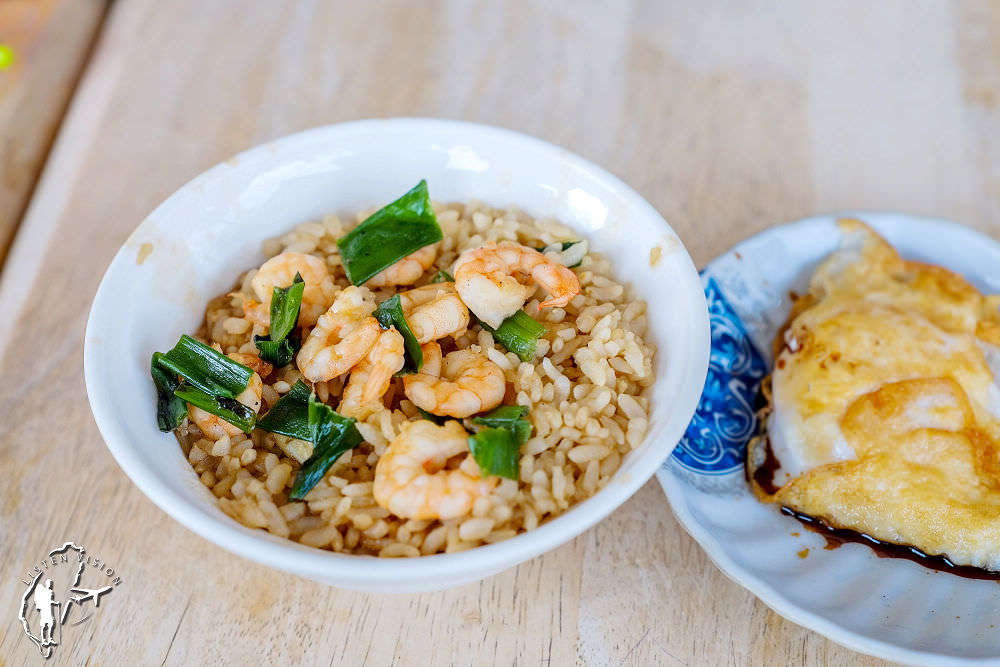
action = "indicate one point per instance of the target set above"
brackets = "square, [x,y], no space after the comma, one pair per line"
[585,391]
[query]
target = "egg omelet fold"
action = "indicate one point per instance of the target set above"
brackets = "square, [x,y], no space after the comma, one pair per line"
[885,410]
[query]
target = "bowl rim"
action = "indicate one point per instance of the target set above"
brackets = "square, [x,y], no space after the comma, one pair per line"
[287,555]
[713,546]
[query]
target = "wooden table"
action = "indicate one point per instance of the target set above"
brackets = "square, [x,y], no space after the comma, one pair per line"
[728,119]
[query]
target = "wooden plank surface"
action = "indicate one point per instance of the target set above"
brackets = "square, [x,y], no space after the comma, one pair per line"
[729,118]
[50,40]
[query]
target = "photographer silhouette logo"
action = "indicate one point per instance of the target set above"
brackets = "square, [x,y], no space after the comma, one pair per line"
[67,580]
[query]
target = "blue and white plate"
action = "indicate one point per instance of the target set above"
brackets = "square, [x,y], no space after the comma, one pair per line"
[887,607]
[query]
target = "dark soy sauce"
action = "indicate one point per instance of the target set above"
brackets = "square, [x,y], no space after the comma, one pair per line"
[836,537]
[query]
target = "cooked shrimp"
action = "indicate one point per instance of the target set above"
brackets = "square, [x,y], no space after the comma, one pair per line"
[491,280]
[253,362]
[342,337]
[407,270]
[410,480]
[279,271]
[434,311]
[371,376]
[478,383]
[257,312]
[215,427]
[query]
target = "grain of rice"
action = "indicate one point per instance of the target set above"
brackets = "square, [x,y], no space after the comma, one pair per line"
[221,446]
[292,511]
[351,537]
[399,550]
[320,537]
[361,520]
[358,489]
[305,524]
[475,528]
[434,540]
[378,529]
[631,407]
[235,325]
[559,487]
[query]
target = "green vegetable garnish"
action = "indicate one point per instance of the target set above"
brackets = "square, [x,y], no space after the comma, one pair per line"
[332,435]
[496,451]
[519,333]
[212,372]
[390,234]
[390,314]
[510,417]
[229,409]
[290,415]
[443,277]
[279,353]
[170,410]
[430,416]
[277,347]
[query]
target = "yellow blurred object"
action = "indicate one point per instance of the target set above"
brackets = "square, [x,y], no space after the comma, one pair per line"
[6,56]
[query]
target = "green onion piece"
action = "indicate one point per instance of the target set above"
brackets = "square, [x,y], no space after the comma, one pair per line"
[510,417]
[277,347]
[279,353]
[229,409]
[212,372]
[519,333]
[390,314]
[390,234]
[443,277]
[496,451]
[290,415]
[285,304]
[431,417]
[170,410]
[332,435]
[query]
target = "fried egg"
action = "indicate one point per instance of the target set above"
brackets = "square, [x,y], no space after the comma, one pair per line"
[885,406]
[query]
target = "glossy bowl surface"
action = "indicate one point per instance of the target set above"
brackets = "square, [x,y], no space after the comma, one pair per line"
[193,246]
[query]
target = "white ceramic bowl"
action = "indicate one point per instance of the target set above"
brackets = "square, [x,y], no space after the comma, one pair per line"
[193,246]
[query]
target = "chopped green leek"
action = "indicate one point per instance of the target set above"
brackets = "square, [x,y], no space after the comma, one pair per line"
[332,435]
[279,353]
[212,372]
[510,417]
[170,410]
[285,304]
[390,234]
[519,333]
[390,314]
[430,416]
[229,409]
[443,277]
[290,415]
[496,451]
[277,347]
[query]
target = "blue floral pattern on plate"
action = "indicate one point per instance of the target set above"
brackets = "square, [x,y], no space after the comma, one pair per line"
[725,420]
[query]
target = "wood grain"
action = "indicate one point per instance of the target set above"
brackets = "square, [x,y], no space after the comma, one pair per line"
[728,117]
[50,39]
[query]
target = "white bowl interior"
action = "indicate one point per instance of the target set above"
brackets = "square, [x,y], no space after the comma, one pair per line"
[194,245]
